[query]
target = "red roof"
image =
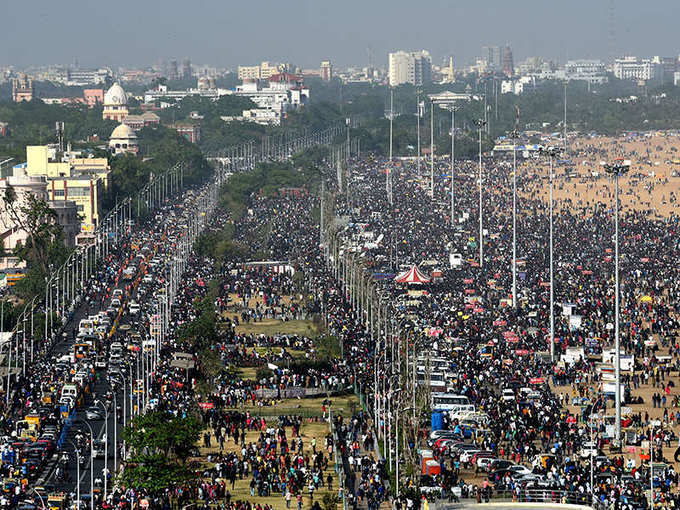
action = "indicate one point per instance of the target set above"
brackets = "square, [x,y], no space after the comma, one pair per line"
[285,77]
[412,275]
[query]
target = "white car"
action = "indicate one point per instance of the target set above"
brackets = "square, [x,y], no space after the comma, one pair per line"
[483,462]
[508,394]
[519,470]
[589,449]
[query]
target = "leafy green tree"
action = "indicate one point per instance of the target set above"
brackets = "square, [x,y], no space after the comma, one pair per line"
[44,244]
[160,445]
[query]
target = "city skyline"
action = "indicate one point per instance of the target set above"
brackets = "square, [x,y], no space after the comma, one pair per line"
[316,31]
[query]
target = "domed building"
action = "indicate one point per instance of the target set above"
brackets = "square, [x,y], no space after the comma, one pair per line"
[115,103]
[123,140]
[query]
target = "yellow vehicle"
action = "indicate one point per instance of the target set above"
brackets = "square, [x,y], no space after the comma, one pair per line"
[56,501]
[81,351]
[26,430]
[33,418]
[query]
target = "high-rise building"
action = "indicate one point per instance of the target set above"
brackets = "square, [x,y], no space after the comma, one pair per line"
[186,69]
[492,56]
[507,61]
[173,74]
[410,67]
[326,71]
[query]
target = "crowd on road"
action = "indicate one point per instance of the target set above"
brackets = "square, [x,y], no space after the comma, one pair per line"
[531,424]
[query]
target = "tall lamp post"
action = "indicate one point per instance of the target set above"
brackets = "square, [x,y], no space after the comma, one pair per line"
[480,125]
[552,152]
[106,444]
[389,166]
[91,462]
[432,150]
[77,450]
[419,114]
[515,136]
[617,168]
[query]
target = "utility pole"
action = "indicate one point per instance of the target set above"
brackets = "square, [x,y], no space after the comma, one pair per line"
[480,125]
[618,168]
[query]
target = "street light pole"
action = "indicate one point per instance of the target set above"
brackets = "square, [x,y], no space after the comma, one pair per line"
[91,464]
[432,149]
[418,114]
[617,169]
[552,283]
[106,444]
[453,148]
[480,124]
[514,222]
[552,153]
[77,474]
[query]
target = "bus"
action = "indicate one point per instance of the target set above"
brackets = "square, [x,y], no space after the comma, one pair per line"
[437,379]
[449,402]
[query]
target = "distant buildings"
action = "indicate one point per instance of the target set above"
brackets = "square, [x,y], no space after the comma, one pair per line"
[448,75]
[93,97]
[173,74]
[634,68]
[76,77]
[186,69]
[261,72]
[115,103]
[591,71]
[146,119]
[22,88]
[410,67]
[507,62]
[326,71]
[491,55]
[274,97]
[192,132]
[123,140]
[497,59]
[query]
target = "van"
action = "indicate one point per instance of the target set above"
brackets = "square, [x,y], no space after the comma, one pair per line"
[86,326]
[69,390]
[134,308]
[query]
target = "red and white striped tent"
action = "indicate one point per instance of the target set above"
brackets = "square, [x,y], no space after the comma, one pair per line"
[412,275]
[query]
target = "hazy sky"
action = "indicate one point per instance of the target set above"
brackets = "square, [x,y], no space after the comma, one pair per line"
[232,32]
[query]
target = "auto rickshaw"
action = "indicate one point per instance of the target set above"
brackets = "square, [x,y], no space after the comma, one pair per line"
[56,501]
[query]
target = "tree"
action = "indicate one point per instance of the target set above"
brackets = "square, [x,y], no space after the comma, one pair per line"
[44,244]
[161,444]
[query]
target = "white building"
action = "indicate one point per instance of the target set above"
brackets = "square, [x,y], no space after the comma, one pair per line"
[410,67]
[634,68]
[22,184]
[519,85]
[161,93]
[282,92]
[592,71]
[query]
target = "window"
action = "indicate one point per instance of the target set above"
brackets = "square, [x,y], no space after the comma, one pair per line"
[58,192]
[80,207]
